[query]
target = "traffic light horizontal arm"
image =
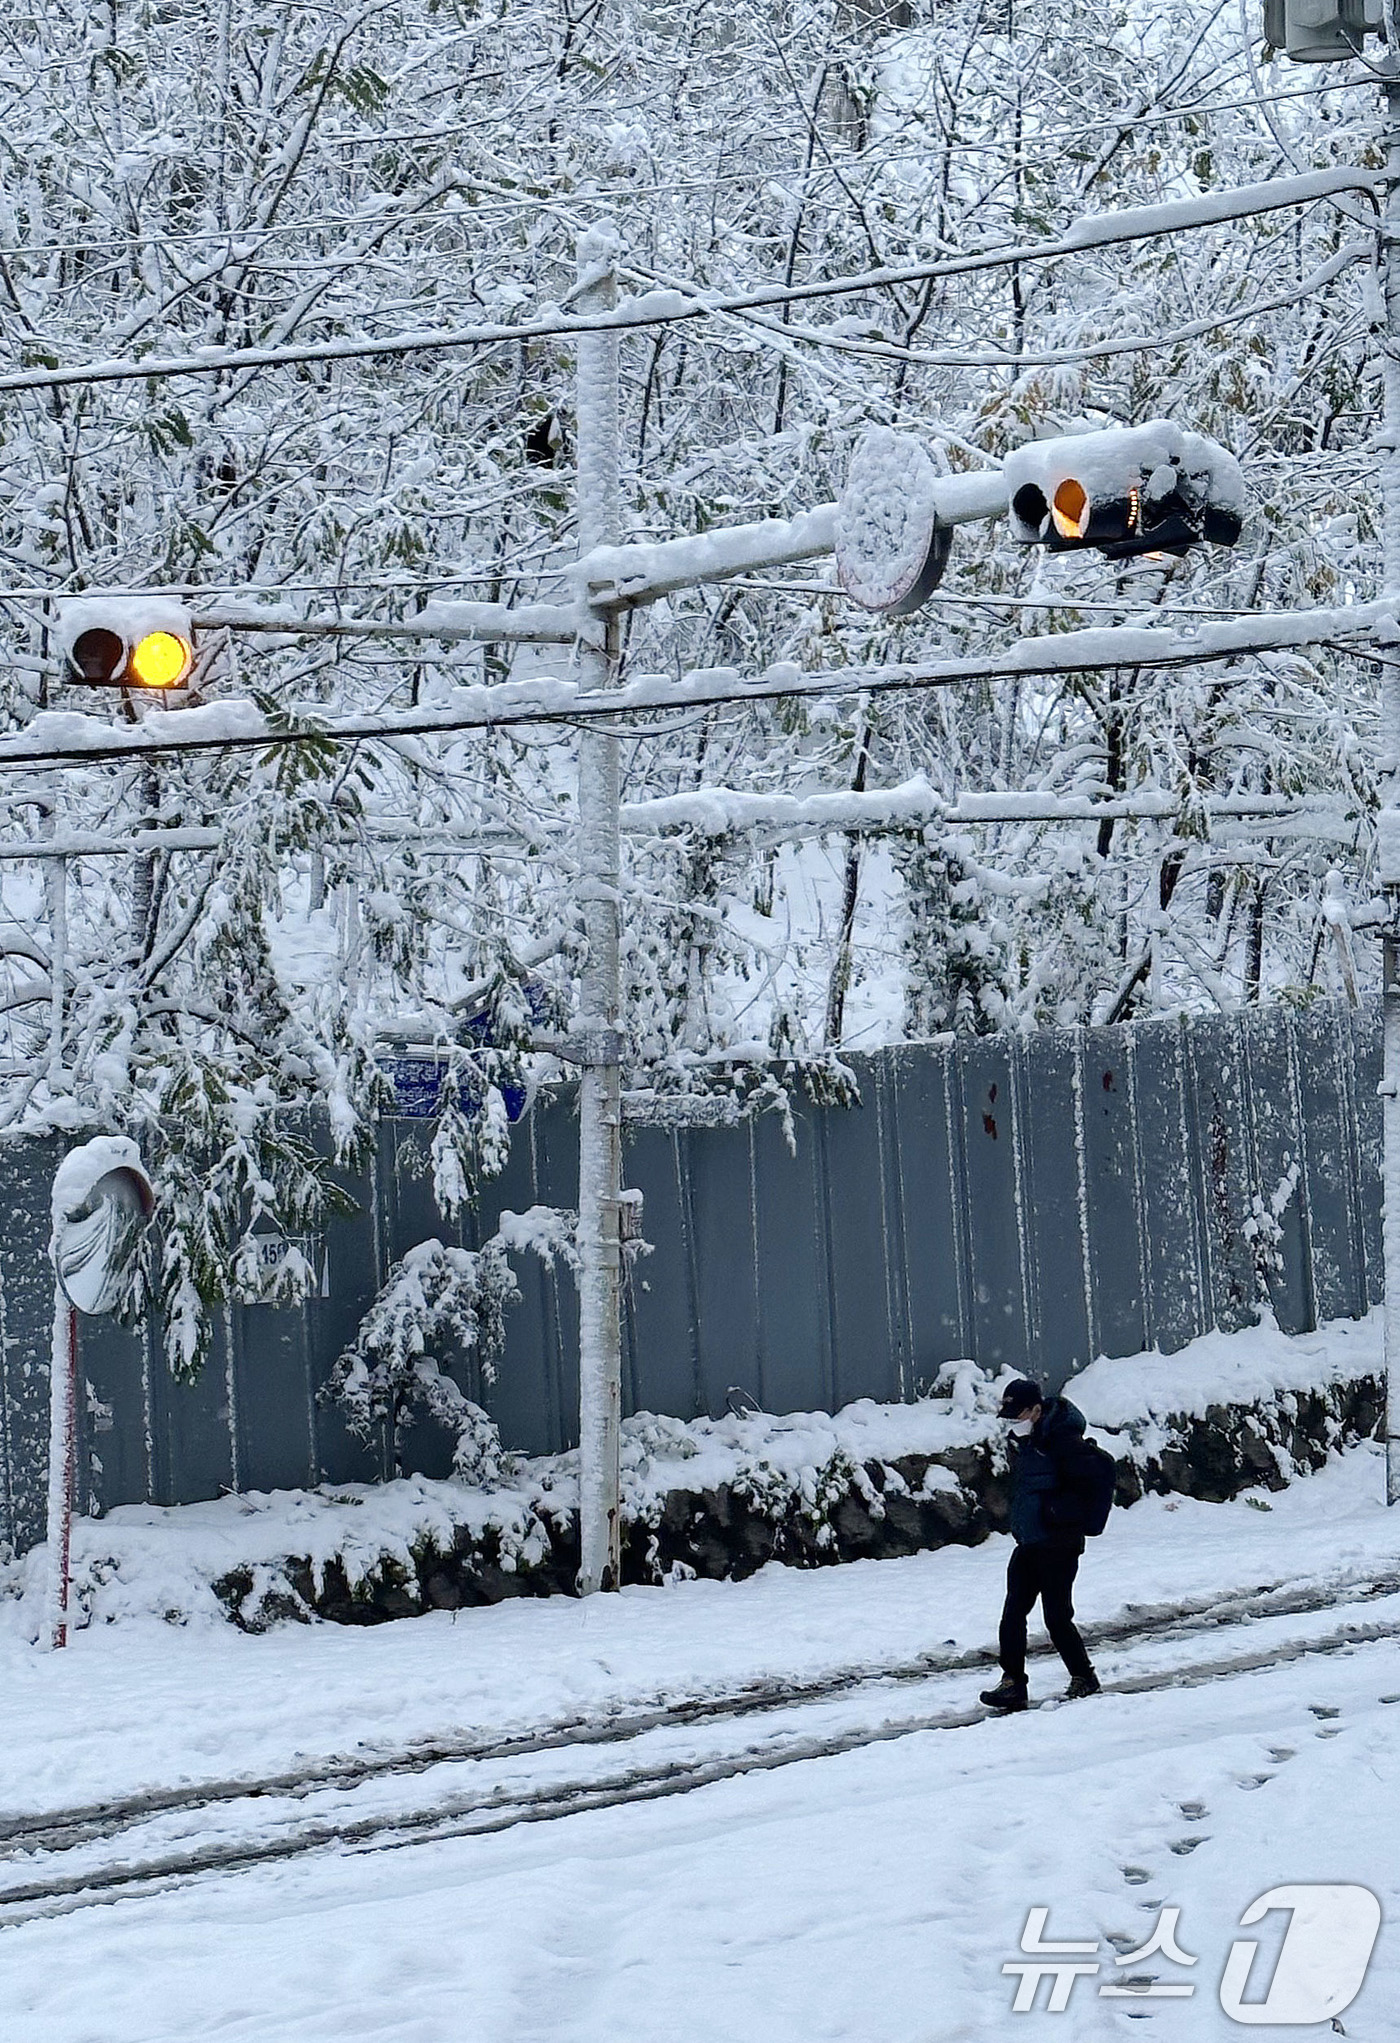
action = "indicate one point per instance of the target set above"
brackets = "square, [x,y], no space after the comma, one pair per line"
[60,736]
[625,577]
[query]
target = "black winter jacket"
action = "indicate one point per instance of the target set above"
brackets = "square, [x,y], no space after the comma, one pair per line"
[1047,1507]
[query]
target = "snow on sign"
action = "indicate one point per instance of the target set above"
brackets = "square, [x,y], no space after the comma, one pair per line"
[102,1199]
[418,1081]
[891,549]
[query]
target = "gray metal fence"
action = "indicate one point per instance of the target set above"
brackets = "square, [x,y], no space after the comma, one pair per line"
[1027,1201]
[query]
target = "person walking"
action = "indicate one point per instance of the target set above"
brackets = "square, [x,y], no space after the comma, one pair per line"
[1050,1511]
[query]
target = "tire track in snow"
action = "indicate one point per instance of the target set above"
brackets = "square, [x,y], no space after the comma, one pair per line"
[483,1813]
[61,1829]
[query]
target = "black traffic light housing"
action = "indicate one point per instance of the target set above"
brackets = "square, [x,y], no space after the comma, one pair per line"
[1125,492]
[136,642]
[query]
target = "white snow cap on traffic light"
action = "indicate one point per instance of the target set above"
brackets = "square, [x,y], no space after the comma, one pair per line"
[132,617]
[1107,464]
[99,638]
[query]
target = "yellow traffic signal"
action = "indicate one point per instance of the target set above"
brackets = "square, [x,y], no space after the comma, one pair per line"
[1129,491]
[144,643]
[1070,509]
[160,660]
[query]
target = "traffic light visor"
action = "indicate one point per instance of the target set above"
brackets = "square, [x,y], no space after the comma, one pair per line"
[1070,509]
[160,660]
[98,656]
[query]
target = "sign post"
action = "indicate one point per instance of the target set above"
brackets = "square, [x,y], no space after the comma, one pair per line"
[102,1199]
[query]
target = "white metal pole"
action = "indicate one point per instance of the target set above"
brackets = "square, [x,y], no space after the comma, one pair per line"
[600,1084]
[63,1458]
[1388,860]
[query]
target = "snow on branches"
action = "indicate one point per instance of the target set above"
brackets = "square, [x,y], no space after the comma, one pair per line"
[287,179]
[436,1299]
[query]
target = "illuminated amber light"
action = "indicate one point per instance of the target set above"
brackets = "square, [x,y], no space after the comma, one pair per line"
[160,660]
[1070,509]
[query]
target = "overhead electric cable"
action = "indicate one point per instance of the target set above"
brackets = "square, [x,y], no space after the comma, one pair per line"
[63,738]
[569,203]
[664,308]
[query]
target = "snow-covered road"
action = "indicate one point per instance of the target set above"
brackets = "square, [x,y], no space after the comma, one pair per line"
[872,1894]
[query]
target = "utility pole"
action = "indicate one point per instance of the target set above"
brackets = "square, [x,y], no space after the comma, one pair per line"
[600,1043]
[1388,848]
[1327,32]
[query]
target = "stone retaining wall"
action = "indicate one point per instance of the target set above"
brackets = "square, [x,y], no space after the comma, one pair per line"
[847,1510]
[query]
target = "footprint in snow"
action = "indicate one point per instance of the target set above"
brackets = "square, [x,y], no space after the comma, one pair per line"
[1136,1875]
[1186,1845]
[1194,1812]
[1250,1781]
[1278,1753]
[1323,1710]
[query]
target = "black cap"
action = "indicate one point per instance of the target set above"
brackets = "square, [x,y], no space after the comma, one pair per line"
[1018,1397]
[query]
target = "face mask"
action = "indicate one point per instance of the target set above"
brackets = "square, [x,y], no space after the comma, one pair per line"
[1022,1428]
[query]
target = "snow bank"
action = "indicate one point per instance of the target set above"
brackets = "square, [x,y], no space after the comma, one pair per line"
[1248,1368]
[721,1498]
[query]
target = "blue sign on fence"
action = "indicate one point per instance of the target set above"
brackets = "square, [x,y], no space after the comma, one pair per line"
[418,1083]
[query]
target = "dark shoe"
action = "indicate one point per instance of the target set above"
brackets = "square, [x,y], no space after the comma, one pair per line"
[1007,1695]
[1082,1685]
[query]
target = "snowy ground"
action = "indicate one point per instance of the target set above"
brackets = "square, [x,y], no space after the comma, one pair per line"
[862,1897]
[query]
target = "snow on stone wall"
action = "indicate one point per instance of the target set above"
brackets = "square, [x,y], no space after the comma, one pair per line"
[720,1498]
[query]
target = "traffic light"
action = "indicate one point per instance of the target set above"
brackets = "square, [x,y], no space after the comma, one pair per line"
[1133,490]
[126,642]
[1320,31]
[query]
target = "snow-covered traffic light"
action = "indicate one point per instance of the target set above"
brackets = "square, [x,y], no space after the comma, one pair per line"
[1135,490]
[126,642]
[1320,31]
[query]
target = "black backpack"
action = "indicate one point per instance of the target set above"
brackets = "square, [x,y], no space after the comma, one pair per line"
[1095,1475]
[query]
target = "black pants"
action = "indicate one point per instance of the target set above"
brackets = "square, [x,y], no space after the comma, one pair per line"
[1046,1572]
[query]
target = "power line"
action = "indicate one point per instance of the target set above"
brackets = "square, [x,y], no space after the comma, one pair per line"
[415,213]
[669,307]
[718,811]
[233,726]
[46,592]
[962,601]
[857,159]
